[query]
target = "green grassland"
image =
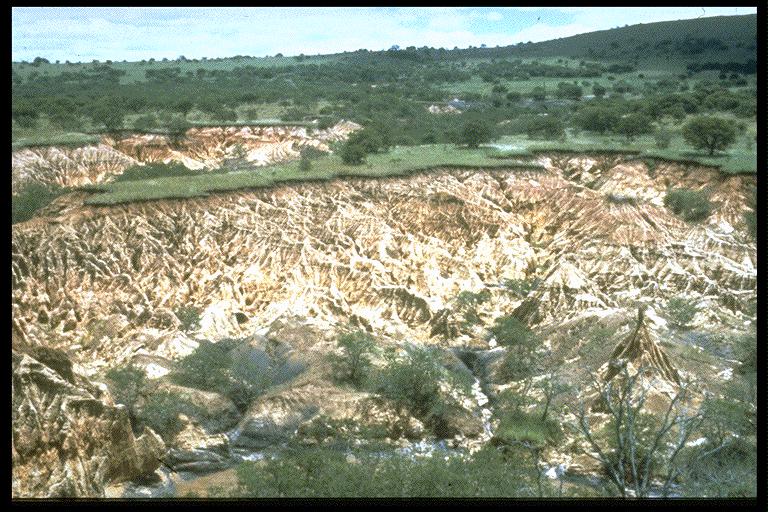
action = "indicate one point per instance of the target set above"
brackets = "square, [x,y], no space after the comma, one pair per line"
[741,157]
[399,161]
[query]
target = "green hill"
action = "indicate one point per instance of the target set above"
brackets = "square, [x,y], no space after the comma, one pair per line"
[719,38]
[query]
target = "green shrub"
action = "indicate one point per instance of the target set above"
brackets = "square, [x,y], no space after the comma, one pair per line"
[598,90]
[521,287]
[354,364]
[126,384]
[318,472]
[750,219]
[206,368]
[519,361]
[709,133]
[352,154]
[681,311]
[509,331]
[691,205]
[544,127]
[211,367]
[466,303]
[326,122]
[632,125]
[322,427]
[145,122]
[31,198]
[368,139]
[476,132]
[413,381]
[620,199]
[154,170]
[467,298]
[517,426]
[161,413]
[189,316]
[596,118]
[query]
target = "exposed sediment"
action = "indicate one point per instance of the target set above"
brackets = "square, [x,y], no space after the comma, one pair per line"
[388,254]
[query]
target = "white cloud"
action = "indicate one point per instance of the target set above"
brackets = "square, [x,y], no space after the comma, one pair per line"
[135,34]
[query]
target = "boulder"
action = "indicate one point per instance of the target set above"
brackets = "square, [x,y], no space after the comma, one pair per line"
[288,415]
[196,451]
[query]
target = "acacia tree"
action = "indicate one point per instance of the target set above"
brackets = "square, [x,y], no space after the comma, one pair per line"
[709,133]
[632,125]
[475,133]
[637,447]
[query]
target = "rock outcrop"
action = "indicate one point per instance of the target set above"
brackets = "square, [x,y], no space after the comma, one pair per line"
[68,440]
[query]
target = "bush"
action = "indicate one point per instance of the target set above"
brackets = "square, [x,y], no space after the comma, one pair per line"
[467,302]
[521,287]
[681,311]
[189,316]
[662,138]
[310,472]
[305,165]
[413,381]
[750,218]
[145,122]
[596,119]
[354,364]
[632,125]
[509,331]
[476,132]
[206,368]
[519,361]
[161,413]
[128,382]
[212,367]
[352,154]
[690,204]
[544,127]
[709,133]
[620,199]
[517,426]
[598,90]
[538,94]
[370,140]
[31,198]
[568,91]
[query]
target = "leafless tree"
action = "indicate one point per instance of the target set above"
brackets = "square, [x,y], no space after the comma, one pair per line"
[633,457]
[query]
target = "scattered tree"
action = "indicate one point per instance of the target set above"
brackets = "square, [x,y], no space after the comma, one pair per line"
[475,133]
[709,133]
[632,125]
[692,205]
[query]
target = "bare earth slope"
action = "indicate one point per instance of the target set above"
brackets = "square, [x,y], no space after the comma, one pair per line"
[389,255]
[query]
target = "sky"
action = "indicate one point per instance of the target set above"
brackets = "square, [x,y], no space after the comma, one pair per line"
[134,33]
